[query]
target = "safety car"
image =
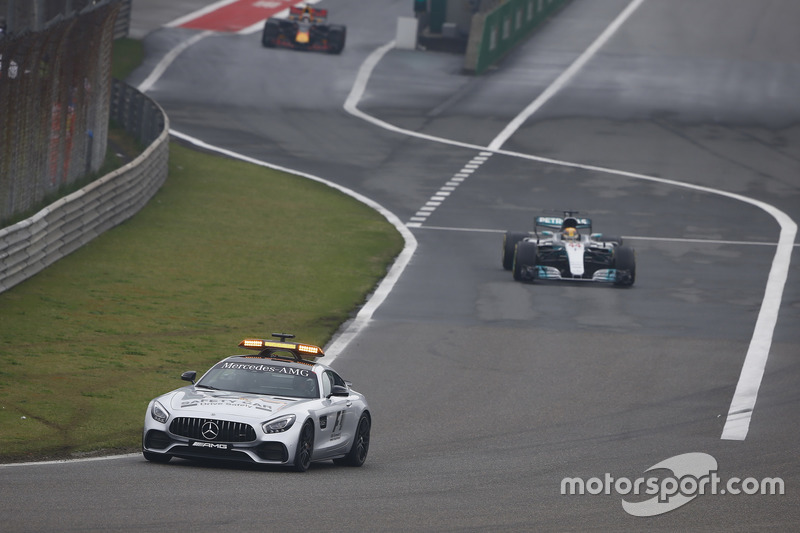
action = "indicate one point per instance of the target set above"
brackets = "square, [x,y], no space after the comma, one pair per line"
[278,406]
[306,28]
[565,248]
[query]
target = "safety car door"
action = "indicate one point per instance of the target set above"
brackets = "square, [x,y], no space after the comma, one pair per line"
[337,419]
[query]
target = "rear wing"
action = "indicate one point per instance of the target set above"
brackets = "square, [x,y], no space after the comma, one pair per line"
[315,15]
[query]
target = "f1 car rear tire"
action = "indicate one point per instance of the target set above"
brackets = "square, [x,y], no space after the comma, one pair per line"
[337,35]
[625,264]
[358,451]
[510,240]
[524,257]
[156,457]
[305,447]
[269,36]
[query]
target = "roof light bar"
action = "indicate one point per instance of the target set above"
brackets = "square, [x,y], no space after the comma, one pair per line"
[261,344]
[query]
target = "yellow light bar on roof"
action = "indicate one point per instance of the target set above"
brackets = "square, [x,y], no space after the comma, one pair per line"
[252,343]
[260,344]
[307,348]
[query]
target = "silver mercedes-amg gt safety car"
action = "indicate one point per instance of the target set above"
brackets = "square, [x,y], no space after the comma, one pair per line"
[276,407]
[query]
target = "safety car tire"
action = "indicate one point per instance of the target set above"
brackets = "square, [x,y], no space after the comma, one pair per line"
[358,451]
[305,447]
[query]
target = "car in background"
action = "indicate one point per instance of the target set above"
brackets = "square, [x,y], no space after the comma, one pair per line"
[306,28]
[566,249]
[276,407]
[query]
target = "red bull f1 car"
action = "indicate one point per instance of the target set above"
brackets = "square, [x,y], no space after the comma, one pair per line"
[306,28]
[565,248]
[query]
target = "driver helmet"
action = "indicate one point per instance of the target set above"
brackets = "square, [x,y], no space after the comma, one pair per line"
[571,234]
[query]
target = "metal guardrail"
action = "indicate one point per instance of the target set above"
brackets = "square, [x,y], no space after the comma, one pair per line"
[494,33]
[31,245]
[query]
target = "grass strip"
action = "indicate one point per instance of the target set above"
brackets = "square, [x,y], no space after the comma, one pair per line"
[223,251]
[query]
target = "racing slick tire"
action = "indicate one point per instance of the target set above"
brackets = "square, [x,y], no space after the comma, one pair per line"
[337,35]
[269,37]
[156,457]
[510,240]
[358,451]
[305,447]
[525,256]
[625,264]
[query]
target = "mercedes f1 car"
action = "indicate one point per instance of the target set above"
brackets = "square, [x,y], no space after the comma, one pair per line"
[277,407]
[563,252]
[306,28]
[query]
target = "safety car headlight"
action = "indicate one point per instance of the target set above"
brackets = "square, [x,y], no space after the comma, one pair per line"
[278,425]
[158,413]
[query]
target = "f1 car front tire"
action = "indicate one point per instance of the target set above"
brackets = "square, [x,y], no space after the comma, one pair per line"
[337,35]
[625,264]
[269,36]
[305,447]
[524,257]
[510,240]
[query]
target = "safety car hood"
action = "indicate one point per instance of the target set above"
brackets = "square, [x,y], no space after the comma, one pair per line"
[189,400]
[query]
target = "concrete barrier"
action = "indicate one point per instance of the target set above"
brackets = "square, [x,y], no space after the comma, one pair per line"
[29,246]
[495,33]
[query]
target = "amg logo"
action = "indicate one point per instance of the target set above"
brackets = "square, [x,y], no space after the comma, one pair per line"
[210,445]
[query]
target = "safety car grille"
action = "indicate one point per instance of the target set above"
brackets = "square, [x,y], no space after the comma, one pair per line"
[212,430]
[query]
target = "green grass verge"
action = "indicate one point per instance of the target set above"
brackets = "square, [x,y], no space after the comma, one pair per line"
[223,251]
[127,55]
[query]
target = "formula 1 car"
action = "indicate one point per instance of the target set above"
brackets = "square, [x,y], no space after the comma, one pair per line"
[562,252]
[278,407]
[305,29]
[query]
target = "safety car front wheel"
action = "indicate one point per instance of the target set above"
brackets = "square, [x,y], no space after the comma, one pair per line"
[305,447]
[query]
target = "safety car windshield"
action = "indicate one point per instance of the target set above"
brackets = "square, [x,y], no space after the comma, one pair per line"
[261,378]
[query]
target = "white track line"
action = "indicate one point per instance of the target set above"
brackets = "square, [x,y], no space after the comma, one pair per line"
[744,399]
[564,78]
[626,237]
[167,60]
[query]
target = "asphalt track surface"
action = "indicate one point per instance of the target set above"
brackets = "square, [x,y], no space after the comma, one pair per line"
[487,393]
